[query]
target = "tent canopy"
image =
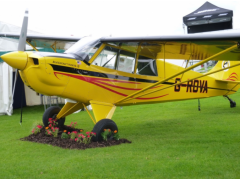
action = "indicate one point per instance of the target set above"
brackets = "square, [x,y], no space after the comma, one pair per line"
[207,14]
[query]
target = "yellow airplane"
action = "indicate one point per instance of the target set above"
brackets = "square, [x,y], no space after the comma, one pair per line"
[110,72]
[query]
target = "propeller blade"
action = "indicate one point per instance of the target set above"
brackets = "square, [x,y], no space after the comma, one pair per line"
[23,35]
[22,94]
[14,85]
[22,105]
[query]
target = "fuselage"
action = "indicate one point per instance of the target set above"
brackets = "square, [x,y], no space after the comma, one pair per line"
[109,72]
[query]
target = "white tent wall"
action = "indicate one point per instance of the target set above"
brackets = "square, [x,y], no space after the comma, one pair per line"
[5,27]
[6,89]
[6,73]
[7,44]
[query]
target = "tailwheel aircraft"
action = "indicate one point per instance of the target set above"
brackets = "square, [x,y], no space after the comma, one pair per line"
[110,72]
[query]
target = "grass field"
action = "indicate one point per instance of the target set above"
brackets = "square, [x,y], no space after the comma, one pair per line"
[169,140]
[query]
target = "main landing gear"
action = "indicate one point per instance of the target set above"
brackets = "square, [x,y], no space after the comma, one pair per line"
[232,103]
[101,125]
[103,112]
[52,112]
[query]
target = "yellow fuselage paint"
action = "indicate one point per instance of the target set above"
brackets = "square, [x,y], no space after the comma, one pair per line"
[78,81]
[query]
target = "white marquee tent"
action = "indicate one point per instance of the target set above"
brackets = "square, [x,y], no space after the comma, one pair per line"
[7,101]
[6,74]
[5,89]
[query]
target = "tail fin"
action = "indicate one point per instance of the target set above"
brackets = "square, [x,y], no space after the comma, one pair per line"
[232,74]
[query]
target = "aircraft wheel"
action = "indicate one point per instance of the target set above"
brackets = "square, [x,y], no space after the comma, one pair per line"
[100,126]
[52,112]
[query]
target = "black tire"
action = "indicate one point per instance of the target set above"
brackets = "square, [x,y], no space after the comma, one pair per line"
[101,125]
[52,112]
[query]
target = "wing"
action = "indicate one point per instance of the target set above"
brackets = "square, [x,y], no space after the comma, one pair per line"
[38,41]
[184,47]
[41,37]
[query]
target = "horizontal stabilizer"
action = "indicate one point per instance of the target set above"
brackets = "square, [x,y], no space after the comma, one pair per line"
[227,81]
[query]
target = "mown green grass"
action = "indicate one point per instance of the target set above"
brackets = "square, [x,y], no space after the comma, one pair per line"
[169,140]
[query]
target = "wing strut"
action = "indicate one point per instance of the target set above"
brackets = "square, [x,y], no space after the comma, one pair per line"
[53,46]
[187,69]
[188,60]
[28,42]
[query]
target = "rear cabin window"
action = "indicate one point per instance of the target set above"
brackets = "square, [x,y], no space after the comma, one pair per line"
[146,66]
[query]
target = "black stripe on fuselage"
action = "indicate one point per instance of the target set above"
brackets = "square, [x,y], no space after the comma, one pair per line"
[97,74]
[103,75]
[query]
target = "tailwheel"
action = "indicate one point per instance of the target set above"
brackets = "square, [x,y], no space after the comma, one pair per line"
[101,125]
[232,103]
[52,112]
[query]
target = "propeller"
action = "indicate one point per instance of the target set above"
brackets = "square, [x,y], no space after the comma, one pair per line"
[23,34]
[19,59]
[21,47]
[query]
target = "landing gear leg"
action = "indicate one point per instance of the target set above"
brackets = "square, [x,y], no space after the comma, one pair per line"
[232,103]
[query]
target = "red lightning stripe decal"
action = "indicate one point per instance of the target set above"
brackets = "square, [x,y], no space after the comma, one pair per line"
[98,82]
[232,76]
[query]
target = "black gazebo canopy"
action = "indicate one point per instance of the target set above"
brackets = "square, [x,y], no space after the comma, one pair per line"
[208,18]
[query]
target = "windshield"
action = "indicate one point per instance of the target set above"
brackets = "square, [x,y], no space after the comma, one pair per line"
[84,48]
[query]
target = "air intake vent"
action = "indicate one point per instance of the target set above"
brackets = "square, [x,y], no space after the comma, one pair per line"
[35,61]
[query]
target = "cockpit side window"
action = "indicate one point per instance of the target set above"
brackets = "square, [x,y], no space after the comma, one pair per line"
[114,58]
[107,58]
[126,61]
